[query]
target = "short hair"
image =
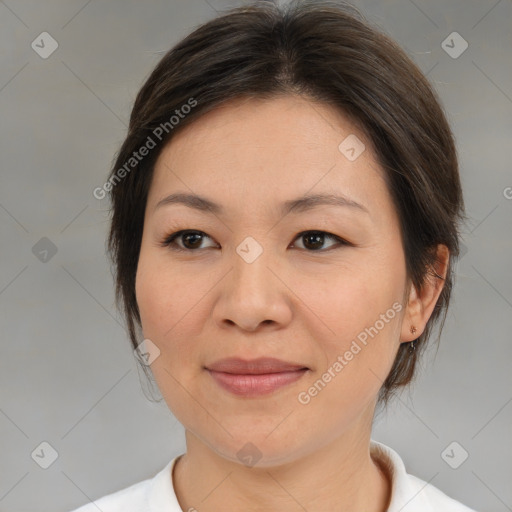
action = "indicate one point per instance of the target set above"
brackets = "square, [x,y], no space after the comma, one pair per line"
[322,50]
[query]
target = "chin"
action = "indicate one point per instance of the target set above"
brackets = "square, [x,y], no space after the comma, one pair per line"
[259,448]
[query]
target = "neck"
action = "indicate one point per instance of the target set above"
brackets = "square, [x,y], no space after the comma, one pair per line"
[339,476]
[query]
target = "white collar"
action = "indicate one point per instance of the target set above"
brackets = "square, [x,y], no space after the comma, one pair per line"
[408,493]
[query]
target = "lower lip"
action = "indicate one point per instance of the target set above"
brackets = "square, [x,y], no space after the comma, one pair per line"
[255,385]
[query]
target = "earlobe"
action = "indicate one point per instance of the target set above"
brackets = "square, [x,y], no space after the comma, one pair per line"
[410,323]
[421,303]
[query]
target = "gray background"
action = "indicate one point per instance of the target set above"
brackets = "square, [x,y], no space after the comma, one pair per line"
[67,372]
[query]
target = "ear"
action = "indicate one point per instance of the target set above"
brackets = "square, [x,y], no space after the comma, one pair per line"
[421,303]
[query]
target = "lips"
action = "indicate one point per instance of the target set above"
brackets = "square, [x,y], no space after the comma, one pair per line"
[254,367]
[254,377]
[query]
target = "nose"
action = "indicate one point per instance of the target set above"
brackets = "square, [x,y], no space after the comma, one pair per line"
[253,295]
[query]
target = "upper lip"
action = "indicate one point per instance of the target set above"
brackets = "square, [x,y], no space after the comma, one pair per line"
[261,365]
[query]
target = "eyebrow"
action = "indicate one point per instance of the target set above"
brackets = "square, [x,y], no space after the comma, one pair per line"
[298,205]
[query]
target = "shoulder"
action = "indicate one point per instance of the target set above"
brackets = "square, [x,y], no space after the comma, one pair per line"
[436,499]
[154,493]
[408,492]
[132,498]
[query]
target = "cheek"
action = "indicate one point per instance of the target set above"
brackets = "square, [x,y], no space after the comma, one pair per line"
[357,359]
[157,298]
[161,291]
[348,298]
[163,305]
[152,300]
[171,310]
[357,318]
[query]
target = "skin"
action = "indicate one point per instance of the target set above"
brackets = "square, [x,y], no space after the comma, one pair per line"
[293,302]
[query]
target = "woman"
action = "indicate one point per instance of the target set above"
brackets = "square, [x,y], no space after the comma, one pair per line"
[285,223]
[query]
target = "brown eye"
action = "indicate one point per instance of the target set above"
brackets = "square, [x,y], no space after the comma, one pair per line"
[190,240]
[314,240]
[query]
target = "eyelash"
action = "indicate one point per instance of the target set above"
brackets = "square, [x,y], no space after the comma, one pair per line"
[169,240]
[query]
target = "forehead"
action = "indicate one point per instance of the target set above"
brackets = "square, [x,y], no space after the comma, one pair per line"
[254,149]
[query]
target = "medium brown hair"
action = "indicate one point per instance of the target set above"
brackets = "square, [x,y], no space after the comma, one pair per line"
[329,52]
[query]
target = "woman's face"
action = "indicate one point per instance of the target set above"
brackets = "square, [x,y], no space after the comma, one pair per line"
[255,282]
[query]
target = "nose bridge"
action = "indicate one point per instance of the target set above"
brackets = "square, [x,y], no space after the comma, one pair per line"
[250,270]
[252,295]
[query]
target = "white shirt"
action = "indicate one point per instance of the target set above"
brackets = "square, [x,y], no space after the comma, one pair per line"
[409,493]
